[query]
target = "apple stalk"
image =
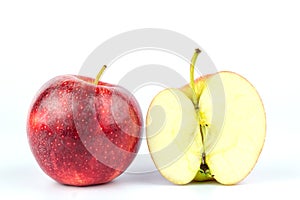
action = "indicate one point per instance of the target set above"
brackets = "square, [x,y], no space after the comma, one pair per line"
[96,81]
[204,169]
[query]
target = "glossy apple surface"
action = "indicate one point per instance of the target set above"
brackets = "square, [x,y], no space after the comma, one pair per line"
[81,133]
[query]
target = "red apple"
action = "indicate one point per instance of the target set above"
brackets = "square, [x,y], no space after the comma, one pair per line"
[84,132]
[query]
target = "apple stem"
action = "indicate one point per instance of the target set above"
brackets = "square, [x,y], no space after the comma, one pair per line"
[192,80]
[203,166]
[99,74]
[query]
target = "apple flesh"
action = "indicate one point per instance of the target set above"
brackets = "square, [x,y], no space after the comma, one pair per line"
[172,136]
[82,133]
[211,129]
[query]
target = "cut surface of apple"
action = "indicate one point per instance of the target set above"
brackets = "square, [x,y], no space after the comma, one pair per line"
[172,136]
[217,131]
[234,140]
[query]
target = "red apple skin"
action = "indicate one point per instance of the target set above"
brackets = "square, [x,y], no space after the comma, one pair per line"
[81,133]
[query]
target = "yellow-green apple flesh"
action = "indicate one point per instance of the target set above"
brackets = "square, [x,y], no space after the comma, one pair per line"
[220,137]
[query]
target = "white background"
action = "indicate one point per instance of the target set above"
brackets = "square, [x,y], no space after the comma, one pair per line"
[258,39]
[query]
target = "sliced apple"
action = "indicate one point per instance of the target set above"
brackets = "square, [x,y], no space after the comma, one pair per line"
[213,128]
[234,143]
[173,136]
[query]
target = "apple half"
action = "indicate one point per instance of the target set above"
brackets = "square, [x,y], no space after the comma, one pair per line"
[212,129]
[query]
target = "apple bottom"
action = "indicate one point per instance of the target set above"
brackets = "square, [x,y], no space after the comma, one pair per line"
[80,167]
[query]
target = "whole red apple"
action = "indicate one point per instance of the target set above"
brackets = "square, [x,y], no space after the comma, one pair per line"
[84,132]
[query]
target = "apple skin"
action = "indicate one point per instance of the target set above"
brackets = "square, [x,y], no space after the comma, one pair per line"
[81,133]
